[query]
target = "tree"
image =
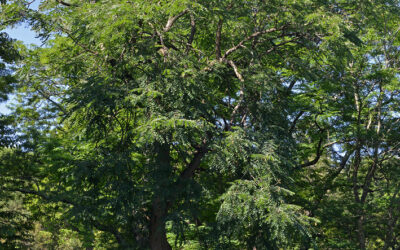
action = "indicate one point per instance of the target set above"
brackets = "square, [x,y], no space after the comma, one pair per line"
[14,219]
[145,124]
[358,118]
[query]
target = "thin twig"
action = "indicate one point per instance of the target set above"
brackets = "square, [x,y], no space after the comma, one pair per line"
[252,36]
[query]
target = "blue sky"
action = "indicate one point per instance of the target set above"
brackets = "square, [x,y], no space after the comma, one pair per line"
[23,33]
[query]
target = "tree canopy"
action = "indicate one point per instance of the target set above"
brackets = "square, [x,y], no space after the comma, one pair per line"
[236,124]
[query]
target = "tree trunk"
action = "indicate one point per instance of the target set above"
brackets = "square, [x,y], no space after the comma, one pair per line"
[361,234]
[159,209]
[158,237]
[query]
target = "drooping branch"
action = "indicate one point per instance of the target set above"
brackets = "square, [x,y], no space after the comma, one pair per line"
[172,20]
[317,157]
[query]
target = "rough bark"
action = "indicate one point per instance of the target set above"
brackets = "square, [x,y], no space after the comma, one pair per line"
[361,234]
[158,237]
[159,209]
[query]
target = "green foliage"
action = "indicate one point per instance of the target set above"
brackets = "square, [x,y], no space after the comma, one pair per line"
[202,124]
[15,223]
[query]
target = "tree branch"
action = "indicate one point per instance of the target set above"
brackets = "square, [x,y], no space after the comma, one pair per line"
[329,179]
[236,108]
[241,91]
[192,32]
[84,47]
[295,121]
[280,44]
[111,230]
[218,40]
[252,36]
[316,159]
[172,20]
[47,97]
[290,87]
[194,164]
[65,3]
[235,69]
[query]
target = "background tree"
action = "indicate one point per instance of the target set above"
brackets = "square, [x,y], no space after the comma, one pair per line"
[358,144]
[15,221]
